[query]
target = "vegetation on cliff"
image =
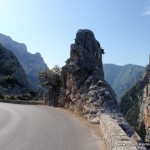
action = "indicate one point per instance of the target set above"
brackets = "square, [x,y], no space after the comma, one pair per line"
[50,82]
[134,105]
[13,79]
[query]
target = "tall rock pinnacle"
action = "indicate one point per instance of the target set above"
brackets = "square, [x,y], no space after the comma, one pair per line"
[84,87]
[86,53]
[84,90]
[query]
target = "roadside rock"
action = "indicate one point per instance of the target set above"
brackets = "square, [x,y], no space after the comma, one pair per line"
[83,76]
[88,93]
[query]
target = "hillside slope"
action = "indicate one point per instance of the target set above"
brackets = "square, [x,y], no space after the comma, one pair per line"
[122,78]
[32,63]
[13,79]
[135,105]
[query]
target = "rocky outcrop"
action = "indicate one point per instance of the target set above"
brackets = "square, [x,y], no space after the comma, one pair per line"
[32,63]
[83,72]
[13,79]
[85,90]
[135,106]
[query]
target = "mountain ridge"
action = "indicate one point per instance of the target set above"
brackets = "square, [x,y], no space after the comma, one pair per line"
[122,78]
[32,63]
[13,79]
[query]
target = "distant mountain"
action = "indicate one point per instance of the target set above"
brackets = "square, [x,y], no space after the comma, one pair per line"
[122,78]
[135,105]
[13,79]
[32,63]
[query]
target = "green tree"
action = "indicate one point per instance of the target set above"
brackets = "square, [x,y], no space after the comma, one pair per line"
[56,69]
[50,80]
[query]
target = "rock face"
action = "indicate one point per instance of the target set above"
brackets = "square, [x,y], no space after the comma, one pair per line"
[84,90]
[83,74]
[13,79]
[32,63]
[135,106]
[83,77]
[122,78]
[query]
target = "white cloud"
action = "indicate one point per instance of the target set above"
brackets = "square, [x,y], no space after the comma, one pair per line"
[146,10]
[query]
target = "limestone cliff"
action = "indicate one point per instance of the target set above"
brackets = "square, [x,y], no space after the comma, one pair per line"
[13,79]
[32,63]
[135,106]
[84,90]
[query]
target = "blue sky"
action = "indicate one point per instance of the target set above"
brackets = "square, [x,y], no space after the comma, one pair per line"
[49,26]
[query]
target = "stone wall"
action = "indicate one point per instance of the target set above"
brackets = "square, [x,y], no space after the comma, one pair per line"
[116,138]
[21,102]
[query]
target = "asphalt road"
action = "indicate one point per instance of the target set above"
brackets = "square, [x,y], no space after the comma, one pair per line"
[26,127]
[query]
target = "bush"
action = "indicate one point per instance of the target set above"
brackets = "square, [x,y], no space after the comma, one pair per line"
[2,96]
[33,93]
[12,97]
[25,97]
[50,80]
[10,82]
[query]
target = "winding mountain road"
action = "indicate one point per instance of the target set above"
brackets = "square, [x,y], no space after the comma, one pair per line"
[26,127]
